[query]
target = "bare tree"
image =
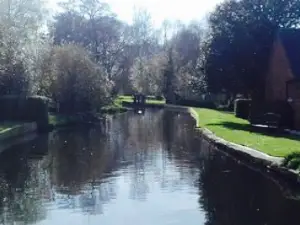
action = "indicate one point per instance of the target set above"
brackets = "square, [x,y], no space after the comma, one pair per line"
[147,75]
[187,54]
[91,24]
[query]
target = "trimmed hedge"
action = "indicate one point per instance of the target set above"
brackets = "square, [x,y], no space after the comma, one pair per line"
[27,109]
[242,108]
[282,108]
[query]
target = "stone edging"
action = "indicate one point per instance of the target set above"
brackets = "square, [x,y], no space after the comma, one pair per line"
[238,151]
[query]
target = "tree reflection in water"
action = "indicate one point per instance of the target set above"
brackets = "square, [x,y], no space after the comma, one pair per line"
[154,162]
[24,183]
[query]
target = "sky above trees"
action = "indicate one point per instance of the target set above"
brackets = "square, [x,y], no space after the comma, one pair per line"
[183,10]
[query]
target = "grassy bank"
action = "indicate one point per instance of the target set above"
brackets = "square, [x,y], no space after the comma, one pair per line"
[239,131]
[150,100]
[155,102]
[60,120]
[7,124]
[122,98]
[116,106]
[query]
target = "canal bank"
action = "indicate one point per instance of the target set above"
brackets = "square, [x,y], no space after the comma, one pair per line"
[17,134]
[17,131]
[150,168]
[241,153]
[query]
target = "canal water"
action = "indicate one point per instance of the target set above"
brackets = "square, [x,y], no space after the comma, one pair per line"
[136,169]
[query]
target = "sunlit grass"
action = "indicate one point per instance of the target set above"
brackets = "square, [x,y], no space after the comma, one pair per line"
[129,99]
[116,105]
[58,119]
[156,102]
[239,131]
[126,98]
[7,124]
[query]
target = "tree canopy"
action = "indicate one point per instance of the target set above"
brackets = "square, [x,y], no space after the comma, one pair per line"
[240,40]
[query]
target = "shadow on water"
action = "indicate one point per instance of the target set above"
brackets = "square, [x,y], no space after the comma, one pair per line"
[152,169]
[230,193]
[17,176]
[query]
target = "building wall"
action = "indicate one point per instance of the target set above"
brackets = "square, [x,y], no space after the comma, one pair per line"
[294,94]
[279,73]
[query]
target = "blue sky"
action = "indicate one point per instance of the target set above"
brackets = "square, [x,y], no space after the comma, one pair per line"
[183,10]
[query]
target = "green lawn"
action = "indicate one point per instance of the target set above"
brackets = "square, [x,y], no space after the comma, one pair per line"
[60,120]
[116,105]
[56,119]
[121,98]
[157,102]
[230,128]
[126,98]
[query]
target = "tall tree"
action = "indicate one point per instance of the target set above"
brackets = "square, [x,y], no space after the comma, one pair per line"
[21,25]
[90,23]
[188,79]
[147,75]
[240,40]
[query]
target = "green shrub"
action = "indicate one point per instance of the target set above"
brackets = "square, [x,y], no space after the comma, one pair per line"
[294,164]
[282,109]
[77,83]
[290,157]
[242,108]
[27,109]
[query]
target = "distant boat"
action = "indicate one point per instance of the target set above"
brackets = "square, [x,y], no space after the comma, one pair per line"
[140,112]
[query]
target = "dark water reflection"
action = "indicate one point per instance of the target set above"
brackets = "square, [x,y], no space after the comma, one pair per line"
[149,169]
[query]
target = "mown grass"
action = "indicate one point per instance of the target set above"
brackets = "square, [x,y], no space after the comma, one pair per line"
[150,100]
[60,120]
[156,102]
[126,98]
[239,131]
[116,105]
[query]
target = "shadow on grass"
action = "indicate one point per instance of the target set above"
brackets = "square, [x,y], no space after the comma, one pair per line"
[259,130]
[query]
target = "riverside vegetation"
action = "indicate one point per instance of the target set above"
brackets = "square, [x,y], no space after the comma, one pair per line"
[83,56]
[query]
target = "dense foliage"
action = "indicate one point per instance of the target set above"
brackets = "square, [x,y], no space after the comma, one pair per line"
[240,39]
[74,80]
[86,55]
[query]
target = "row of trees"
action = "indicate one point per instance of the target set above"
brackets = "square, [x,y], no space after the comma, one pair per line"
[230,55]
[240,38]
[86,55]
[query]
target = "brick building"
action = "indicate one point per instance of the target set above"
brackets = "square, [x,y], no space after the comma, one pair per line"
[283,77]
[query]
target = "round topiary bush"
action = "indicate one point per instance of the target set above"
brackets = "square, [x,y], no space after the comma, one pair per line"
[242,108]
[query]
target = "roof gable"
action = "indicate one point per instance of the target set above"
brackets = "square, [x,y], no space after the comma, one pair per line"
[290,39]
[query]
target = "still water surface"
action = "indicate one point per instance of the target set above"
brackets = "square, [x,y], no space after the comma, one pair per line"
[142,170]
